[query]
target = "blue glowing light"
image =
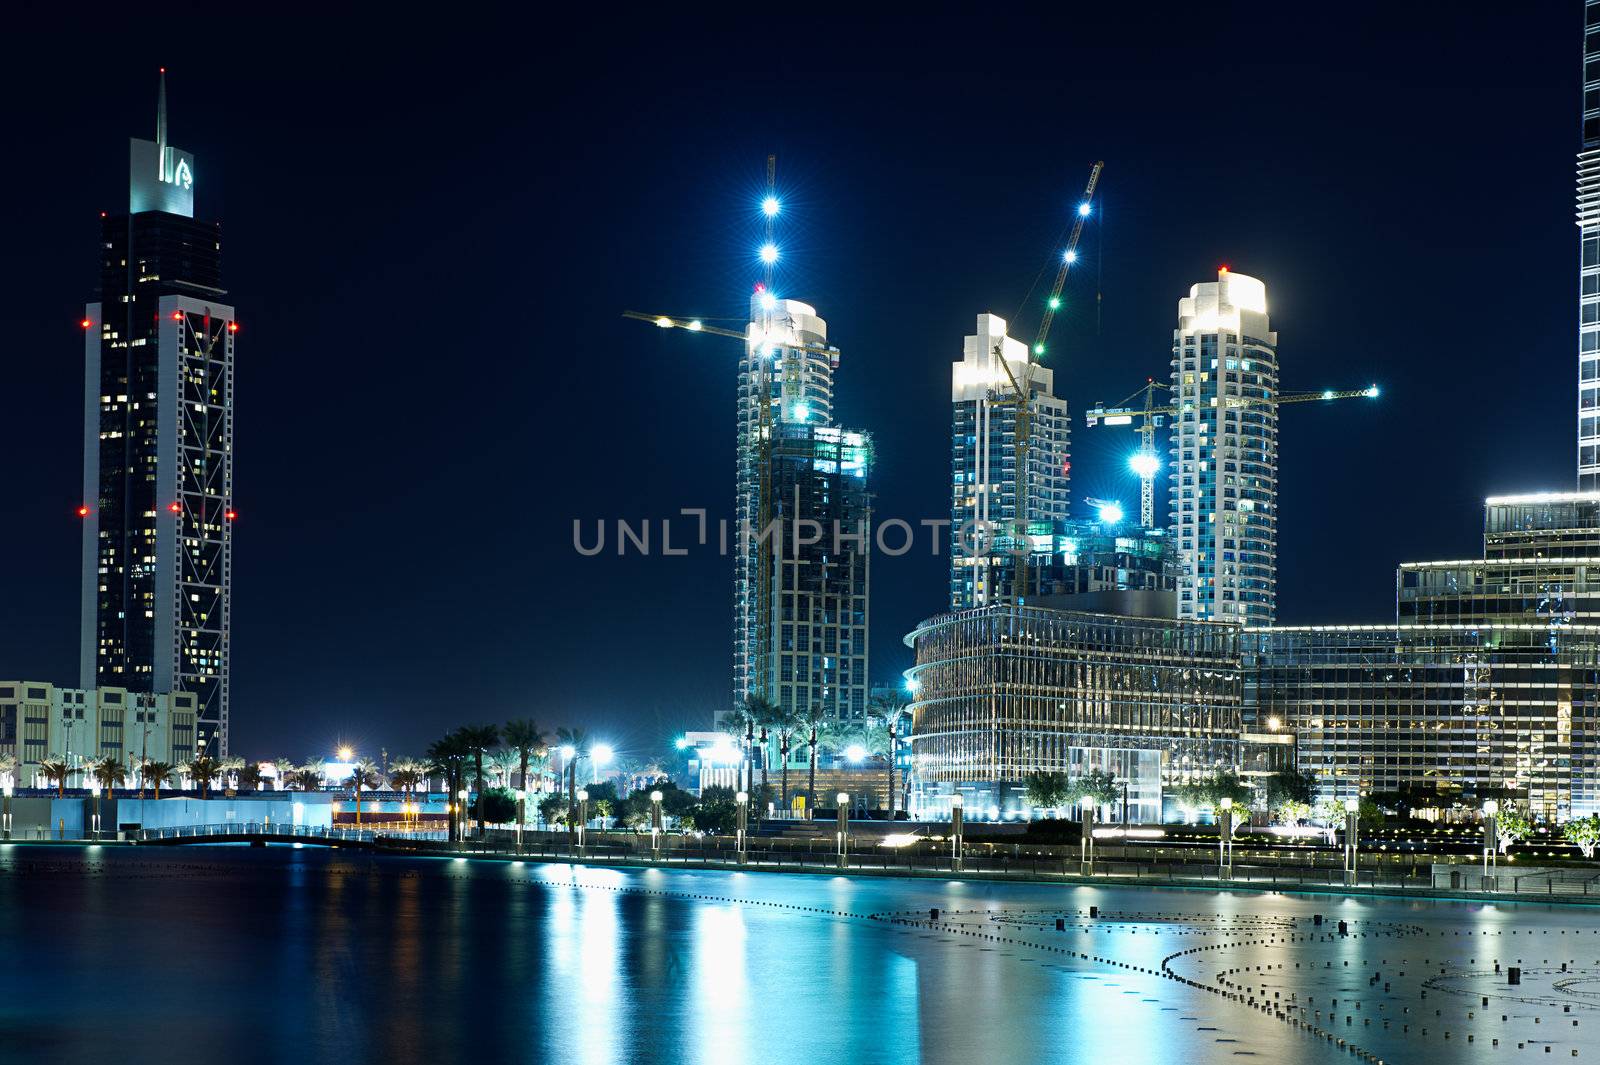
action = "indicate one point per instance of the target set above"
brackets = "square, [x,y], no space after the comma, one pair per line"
[769,253]
[770,206]
[1083,210]
[1110,513]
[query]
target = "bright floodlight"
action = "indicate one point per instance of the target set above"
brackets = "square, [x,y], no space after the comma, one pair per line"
[911,685]
[842,798]
[1110,513]
[1372,390]
[583,794]
[855,752]
[695,326]
[770,206]
[1055,302]
[682,743]
[768,301]
[1083,210]
[801,412]
[655,796]
[1144,464]
[601,753]
[1327,394]
[664,322]
[1352,805]
[1071,256]
[566,750]
[344,754]
[769,253]
[1491,807]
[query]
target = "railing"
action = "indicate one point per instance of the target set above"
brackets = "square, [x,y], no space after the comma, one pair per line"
[270,830]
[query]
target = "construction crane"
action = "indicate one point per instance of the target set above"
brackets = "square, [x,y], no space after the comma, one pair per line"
[1146,463]
[1022,390]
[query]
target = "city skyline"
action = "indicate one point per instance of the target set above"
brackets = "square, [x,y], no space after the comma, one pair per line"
[393,575]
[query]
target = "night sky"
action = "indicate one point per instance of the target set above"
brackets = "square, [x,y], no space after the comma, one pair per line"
[430,232]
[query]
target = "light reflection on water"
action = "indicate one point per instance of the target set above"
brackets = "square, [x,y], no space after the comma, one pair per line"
[306,956]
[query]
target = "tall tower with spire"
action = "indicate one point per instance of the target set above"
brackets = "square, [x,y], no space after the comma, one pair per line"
[158,447]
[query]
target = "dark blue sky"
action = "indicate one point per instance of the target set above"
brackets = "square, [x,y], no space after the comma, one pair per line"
[430,232]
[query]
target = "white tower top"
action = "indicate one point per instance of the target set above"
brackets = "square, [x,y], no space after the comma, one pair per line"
[1233,303]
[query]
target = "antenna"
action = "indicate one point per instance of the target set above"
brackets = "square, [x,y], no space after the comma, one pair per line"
[161,112]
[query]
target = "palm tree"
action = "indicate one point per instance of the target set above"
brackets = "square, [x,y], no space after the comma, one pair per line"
[447,756]
[155,774]
[363,774]
[479,739]
[785,723]
[526,738]
[227,767]
[578,740]
[57,772]
[741,721]
[812,720]
[203,769]
[250,777]
[405,775]
[763,714]
[109,772]
[310,775]
[891,713]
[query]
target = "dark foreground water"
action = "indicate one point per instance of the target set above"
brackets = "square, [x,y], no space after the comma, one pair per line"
[301,956]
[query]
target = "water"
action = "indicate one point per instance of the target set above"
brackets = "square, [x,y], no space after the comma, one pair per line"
[284,955]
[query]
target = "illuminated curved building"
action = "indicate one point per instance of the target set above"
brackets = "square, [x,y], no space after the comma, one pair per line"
[1003,691]
[1225,455]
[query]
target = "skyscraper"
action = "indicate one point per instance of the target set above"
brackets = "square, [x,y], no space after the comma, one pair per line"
[158,446]
[1589,258]
[1225,454]
[983,461]
[800,608]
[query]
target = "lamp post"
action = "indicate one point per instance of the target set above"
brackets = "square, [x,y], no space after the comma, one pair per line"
[1225,841]
[956,825]
[461,815]
[94,789]
[522,795]
[1491,843]
[741,837]
[843,800]
[1352,809]
[583,816]
[1086,845]
[7,788]
[656,826]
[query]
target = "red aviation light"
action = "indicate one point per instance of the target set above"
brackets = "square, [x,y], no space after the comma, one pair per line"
[1222,269]
[230,514]
[233,327]
[83,510]
[175,507]
[177,316]
[86,323]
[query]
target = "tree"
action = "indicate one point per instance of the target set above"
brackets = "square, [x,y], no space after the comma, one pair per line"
[202,769]
[1046,791]
[496,806]
[250,777]
[812,720]
[1511,827]
[1099,786]
[309,776]
[634,811]
[363,774]
[741,721]
[56,772]
[478,740]
[1585,833]
[578,741]
[109,772]
[763,714]
[553,810]
[405,775]
[1289,793]
[1208,791]
[602,800]
[447,756]
[155,774]
[891,718]
[527,739]
[785,724]
[717,812]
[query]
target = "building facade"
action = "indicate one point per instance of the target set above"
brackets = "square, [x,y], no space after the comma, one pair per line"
[1004,691]
[983,462]
[802,571]
[158,448]
[40,721]
[1224,450]
[1589,257]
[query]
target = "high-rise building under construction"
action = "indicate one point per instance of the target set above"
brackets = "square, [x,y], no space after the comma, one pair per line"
[984,543]
[1589,258]
[803,515]
[1225,452]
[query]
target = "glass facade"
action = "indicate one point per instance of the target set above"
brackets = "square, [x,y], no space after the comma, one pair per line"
[1467,711]
[1224,452]
[1004,691]
[1589,257]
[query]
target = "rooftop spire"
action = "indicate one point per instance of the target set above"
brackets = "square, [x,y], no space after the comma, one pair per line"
[161,111]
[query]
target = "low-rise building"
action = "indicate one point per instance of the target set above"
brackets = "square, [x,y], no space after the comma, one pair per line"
[40,721]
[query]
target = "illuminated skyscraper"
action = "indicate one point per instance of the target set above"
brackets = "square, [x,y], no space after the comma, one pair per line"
[158,446]
[1225,455]
[1589,258]
[800,609]
[983,462]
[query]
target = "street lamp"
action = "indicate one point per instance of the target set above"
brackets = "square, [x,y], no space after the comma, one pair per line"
[655,826]
[957,817]
[1086,846]
[843,799]
[741,838]
[345,754]
[1225,841]
[583,816]
[7,788]
[461,815]
[94,789]
[600,754]
[1352,809]
[522,796]
[1491,842]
